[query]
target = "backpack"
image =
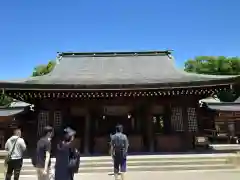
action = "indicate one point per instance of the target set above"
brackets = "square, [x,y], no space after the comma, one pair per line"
[74,161]
[118,142]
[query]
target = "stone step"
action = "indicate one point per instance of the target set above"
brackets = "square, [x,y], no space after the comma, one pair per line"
[145,159]
[153,158]
[151,163]
[92,164]
[148,168]
[157,163]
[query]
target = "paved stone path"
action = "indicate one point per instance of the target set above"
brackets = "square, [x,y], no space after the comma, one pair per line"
[196,175]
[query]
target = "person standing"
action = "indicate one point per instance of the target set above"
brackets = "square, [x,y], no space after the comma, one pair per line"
[15,147]
[67,158]
[119,148]
[43,154]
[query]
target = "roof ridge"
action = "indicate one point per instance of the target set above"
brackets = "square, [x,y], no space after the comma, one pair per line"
[115,53]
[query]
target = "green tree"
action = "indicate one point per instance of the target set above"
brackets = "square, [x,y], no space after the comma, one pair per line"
[44,69]
[216,65]
[5,100]
[38,71]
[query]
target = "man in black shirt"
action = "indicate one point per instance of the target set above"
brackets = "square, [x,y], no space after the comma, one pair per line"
[43,154]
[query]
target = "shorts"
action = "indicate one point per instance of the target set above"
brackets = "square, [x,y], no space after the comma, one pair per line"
[119,164]
[48,176]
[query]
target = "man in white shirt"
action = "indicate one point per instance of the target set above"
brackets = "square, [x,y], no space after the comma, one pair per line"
[15,146]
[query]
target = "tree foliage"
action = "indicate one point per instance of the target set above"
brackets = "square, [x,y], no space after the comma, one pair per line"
[5,100]
[38,71]
[216,65]
[44,69]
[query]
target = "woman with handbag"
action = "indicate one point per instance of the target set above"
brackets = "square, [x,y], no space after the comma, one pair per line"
[67,157]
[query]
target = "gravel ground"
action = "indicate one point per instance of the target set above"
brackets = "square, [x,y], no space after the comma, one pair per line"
[181,175]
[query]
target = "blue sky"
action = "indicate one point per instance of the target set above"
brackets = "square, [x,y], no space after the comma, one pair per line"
[31,32]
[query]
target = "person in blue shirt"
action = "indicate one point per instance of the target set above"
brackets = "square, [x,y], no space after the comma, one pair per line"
[119,148]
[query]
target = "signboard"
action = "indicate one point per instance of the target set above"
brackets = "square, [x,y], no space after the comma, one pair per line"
[237,114]
[157,109]
[223,119]
[78,111]
[116,110]
[229,114]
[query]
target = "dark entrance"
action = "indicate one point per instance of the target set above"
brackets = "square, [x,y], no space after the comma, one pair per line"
[109,123]
[103,127]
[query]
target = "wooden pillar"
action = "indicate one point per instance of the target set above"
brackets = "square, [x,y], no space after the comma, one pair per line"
[185,126]
[199,120]
[167,119]
[150,137]
[198,115]
[87,133]
[51,117]
[51,107]
[185,119]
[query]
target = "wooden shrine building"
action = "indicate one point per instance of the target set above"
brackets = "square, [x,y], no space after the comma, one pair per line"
[225,119]
[92,92]
[10,116]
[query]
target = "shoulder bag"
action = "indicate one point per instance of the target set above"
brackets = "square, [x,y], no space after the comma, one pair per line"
[74,161]
[8,158]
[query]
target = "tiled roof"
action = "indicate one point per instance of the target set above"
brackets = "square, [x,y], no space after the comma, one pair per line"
[10,111]
[118,68]
[225,106]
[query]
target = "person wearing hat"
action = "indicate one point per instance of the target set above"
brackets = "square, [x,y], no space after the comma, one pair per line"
[67,157]
[119,148]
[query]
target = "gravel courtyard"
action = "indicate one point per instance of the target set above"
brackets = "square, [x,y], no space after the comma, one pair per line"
[184,175]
